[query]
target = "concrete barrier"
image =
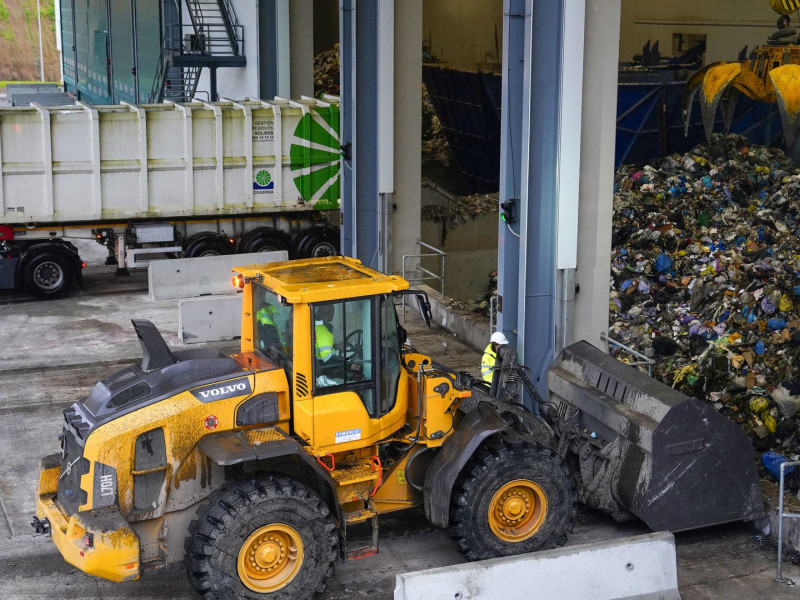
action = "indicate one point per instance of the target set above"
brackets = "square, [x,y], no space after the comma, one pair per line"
[190,277]
[640,567]
[210,318]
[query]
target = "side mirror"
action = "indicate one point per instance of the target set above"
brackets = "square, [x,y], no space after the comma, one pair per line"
[424,307]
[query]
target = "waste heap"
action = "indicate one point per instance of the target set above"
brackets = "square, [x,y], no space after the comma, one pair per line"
[434,143]
[706,280]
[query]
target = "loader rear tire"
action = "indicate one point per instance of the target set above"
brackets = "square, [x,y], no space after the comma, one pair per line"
[272,536]
[514,496]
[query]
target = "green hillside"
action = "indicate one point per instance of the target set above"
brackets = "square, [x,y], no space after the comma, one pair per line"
[19,41]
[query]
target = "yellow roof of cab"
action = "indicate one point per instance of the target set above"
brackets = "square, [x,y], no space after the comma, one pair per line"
[320,279]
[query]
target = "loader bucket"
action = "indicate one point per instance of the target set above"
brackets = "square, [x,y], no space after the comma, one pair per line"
[672,461]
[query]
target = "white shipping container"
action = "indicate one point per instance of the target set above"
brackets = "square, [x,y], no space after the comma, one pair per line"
[109,163]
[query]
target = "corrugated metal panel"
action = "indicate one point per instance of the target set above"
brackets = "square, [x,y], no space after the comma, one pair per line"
[122,162]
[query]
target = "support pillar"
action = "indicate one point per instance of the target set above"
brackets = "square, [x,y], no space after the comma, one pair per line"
[274,49]
[597,168]
[368,78]
[540,166]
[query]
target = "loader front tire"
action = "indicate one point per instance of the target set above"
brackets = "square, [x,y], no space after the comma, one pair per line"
[514,496]
[269,538]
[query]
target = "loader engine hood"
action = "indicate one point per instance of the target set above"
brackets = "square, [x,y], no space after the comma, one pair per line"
[159,376]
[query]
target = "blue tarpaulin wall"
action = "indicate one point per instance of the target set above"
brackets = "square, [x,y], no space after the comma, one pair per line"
[649,122]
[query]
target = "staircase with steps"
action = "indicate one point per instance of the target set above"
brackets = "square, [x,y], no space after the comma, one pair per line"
[354,486]
[212,39]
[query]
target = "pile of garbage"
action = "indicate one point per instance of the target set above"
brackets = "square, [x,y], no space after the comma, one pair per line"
[706,280]
[434,143]
[461,209]
[326,72]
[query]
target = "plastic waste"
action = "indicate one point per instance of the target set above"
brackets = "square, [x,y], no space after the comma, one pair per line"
[772,463]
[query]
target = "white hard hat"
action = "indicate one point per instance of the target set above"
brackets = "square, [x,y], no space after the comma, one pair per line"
[499,338]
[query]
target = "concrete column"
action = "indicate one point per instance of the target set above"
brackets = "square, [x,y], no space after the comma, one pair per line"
[301,22]
[407,129]
[597,168]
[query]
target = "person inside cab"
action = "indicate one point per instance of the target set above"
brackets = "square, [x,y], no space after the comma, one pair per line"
[490,355]
[268,334]
[323,332]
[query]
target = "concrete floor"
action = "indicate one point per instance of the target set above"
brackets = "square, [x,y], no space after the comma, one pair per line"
[51,353]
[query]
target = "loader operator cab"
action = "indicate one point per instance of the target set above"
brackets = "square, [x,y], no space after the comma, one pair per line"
[339,343]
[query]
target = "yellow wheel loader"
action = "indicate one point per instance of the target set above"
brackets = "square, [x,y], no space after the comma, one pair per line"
[252,467]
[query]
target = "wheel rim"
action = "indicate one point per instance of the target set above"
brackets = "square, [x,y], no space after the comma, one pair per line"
[209,252]
[323,249]
[48,276]
[270,558]
[517,510]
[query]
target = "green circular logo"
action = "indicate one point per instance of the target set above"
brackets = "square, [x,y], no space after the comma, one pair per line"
[263,178]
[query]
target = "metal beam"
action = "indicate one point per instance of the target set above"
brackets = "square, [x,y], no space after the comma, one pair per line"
[534,111]
[367,111]
[273,48]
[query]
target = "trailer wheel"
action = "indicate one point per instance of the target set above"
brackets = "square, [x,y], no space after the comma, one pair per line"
[48,276]
[512,497]
[271,536]
[206,245]
[265,240]
[317,242]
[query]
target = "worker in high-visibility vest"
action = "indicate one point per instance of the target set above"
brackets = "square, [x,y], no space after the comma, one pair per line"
[323,344]
[490,355]
[268,333]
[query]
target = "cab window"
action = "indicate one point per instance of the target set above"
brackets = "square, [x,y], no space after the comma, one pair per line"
[343,349]
[390,354]
[272,323]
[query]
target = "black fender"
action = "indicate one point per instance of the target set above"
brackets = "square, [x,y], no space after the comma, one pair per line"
[281,454]
[474,428]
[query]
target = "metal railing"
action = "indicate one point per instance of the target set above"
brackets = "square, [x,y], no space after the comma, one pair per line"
[427,275]
[781,516]
[643,360]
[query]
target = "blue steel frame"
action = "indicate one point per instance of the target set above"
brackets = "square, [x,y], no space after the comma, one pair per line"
[358,35]
[532,50]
